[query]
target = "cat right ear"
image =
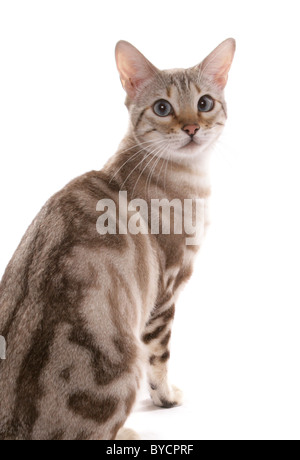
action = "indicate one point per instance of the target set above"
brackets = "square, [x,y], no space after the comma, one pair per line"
[217,65]
[135,70]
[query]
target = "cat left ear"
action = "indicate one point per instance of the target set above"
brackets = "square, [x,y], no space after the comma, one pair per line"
[135,70]
[217,65]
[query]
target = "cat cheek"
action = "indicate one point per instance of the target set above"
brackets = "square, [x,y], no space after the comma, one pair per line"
[152,126]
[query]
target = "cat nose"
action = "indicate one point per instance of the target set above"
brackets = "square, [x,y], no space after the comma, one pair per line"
[191,129]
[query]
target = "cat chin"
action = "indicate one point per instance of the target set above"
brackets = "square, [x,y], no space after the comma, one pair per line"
[192,147]
[189,154]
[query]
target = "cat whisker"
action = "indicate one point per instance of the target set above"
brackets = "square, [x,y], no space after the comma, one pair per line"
[167,160]
[130,174]
[138,145]
[171,143]
[131,158]
[160,157]
[166,169]
[151,172]
[143,159]
[155,153]
[161,169]
[148,163]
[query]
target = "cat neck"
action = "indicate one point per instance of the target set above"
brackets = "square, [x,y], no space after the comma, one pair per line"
[145,175]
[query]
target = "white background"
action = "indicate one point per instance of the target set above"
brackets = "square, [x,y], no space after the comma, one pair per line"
[236,342]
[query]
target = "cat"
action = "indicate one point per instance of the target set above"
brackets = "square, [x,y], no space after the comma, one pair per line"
[83,313]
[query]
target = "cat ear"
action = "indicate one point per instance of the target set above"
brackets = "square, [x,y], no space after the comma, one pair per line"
[217,65]
[135,70]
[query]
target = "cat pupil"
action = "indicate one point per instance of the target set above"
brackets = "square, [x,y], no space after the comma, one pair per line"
[206,104]
[162,108]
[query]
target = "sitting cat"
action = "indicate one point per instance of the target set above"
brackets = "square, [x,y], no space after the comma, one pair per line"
[84,311]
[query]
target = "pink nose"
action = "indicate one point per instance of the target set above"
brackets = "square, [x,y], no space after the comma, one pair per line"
[191,129]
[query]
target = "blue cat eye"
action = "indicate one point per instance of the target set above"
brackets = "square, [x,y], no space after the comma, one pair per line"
[162,108]
[206,104]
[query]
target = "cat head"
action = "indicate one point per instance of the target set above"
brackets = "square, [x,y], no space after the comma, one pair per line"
[180,112]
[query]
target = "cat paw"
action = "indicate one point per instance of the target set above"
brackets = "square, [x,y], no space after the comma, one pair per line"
[167,400]
[126,434]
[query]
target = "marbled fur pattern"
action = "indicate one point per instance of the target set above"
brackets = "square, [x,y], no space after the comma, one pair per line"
[82,313]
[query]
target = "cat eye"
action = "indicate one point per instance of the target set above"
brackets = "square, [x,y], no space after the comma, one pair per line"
[162,108]
[206,104]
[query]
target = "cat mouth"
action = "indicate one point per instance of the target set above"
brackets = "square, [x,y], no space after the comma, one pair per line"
[190,144]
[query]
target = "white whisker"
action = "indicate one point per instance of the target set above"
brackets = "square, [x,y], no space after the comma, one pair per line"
[166,170]
[154,153]
[143,159]
[161,153]
[151,143]
[150,175]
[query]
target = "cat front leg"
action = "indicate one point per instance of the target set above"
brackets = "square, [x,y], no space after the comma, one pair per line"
[157,337]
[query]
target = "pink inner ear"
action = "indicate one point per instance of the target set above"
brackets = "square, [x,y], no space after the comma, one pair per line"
[132,85]
[218,71]
[135,70]
[217,65]
[221,78]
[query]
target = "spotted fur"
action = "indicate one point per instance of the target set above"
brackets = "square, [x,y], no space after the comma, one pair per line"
[84,313]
